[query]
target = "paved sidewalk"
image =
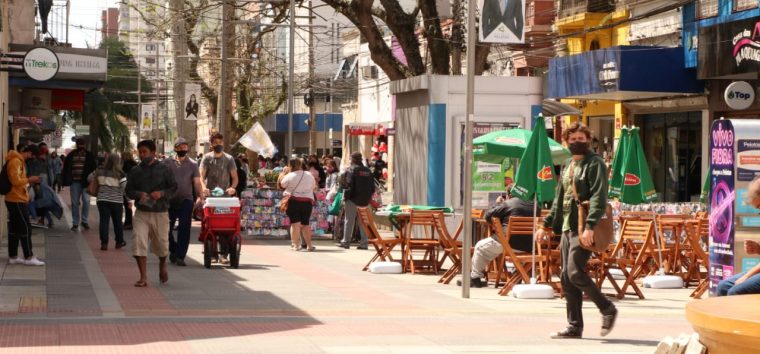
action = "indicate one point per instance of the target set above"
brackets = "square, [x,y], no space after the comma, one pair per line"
[281,301]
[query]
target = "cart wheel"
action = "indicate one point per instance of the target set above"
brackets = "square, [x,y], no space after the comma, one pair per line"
[207,253]
[235,246]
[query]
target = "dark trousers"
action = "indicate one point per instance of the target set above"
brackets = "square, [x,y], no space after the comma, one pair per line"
[183,213]
[127,213]
[110,211]
[19,229]
[575,281]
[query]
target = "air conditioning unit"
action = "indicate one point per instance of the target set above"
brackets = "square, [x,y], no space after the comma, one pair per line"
[369,72]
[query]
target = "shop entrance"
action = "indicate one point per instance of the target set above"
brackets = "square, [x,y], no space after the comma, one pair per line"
[673,148]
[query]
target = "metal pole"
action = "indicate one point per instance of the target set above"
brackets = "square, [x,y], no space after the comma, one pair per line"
[222,98]
[139,77]
[467,240]
[291,68]
[154,133]
[312,101]
[68,15]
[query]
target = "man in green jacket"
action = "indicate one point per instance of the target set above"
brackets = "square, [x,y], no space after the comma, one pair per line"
[589,174]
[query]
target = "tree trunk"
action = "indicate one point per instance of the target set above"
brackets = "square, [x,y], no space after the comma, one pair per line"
[438,48]
[481,57]
[457,34]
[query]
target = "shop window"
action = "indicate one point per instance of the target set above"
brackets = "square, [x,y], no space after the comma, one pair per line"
[707,8]
[741,5]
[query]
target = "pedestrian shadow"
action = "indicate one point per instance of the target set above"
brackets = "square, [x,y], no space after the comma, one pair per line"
[636,342]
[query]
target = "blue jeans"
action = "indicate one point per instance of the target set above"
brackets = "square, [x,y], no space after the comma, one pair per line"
[110,211]
[79,195]
[750,286]
[183,212]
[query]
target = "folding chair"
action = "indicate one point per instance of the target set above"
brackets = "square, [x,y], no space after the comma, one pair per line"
[427,245]
[673,256]
[518,226]
[632,253]
[383,246]
[698,259]
[452,248]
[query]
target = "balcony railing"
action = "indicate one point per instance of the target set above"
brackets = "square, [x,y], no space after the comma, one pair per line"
[574,7]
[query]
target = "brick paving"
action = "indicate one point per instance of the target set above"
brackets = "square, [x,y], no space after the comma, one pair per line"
[285,302]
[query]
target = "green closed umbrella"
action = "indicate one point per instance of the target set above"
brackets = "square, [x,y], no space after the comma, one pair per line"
[616,173]
[705,188]
[495,146]
[534,179]
[637,186]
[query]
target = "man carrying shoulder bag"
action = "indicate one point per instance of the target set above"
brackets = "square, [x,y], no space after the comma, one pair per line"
[586,177]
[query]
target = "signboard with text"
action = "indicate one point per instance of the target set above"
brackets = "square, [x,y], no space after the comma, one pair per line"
[722,202]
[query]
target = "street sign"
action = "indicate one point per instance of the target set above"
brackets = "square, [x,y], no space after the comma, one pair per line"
[82,130]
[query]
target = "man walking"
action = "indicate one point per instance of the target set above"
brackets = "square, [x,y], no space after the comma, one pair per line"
[151,185]
[358,187]
[187,176]
[218,170]
[19,225]
[78,165]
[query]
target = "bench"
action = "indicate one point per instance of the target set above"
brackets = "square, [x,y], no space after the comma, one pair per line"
[727,324]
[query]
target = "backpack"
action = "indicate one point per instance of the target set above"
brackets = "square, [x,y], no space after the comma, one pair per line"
[5,182]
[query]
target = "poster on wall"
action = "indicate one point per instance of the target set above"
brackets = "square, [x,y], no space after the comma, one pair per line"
[148,117]
[192,99]
[722,198]
[489,180]
[502,21]
[747,159]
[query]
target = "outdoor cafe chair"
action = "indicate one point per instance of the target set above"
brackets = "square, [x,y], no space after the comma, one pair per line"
[452,248]
[427,245]
[672,254]
[632,255]
[698,259]
[518,226]
[383,246]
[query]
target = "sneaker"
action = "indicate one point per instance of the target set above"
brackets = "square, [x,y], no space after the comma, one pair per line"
[38,226]
[16,260]
[34,262]
[568,333]
[180,262]
[343,245]
[120,244]
[224,260]
[75,228]
[474,283]
[103,246]
[362,247]
[608,321]
[86,226]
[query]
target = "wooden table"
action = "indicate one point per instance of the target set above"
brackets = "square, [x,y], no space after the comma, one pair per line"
[727,324]
[402,219]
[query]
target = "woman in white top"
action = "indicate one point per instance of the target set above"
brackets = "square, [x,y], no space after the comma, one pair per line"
[299,185]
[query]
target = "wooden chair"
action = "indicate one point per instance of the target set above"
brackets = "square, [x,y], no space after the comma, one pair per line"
[673,256]
[427,245]
[383,246]
[452,248]
[517,227]
[632,253]
[698,259]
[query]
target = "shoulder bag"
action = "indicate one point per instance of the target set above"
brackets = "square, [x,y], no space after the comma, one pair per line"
[92,188]
[286,197]
[603,230]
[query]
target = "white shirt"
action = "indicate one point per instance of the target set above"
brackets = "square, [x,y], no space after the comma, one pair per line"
[299,184]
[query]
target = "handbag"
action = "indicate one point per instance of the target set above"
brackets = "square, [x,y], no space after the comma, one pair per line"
[286,197]
[336,204]
[603,230]
[92,188]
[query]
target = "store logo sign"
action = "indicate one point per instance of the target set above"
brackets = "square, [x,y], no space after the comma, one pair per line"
[746,45]
[631,180]
[545,174]
[41,64]
[739,95]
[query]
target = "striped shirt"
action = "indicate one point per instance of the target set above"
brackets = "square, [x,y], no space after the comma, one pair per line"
[77,165]
[110,187]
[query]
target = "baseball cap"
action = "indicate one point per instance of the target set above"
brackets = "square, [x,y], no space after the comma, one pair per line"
[180,141]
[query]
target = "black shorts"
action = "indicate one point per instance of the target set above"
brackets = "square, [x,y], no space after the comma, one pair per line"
[299,211]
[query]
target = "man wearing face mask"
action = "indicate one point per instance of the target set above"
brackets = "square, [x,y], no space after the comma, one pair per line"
[78,165]
[218,170]
[151,185]
[585,173]
[188,177]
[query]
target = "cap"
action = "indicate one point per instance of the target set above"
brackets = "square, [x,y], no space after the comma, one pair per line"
[180,141]
[31,148]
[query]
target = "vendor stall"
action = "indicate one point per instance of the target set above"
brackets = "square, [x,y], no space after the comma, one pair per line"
[261,214]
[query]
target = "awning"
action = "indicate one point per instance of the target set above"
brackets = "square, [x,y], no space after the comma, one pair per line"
[551,108]
[622,73]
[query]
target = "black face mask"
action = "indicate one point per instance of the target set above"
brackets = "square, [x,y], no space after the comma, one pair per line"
[578,148]
[218,148]
[182,153]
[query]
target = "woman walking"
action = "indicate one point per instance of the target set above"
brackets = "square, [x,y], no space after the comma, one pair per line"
[299,187]
[110,181]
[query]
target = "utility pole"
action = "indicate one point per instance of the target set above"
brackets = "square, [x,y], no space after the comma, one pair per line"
[291,69]
[223,122]
[185,129]
[68,15]
[154,128]
[470,112]
[312,103]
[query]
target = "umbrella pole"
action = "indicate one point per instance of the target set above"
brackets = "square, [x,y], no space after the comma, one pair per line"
[659,247]
[533,244]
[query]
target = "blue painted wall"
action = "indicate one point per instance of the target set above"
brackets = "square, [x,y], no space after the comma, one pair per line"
[691,25]
[436,171]
[334,121]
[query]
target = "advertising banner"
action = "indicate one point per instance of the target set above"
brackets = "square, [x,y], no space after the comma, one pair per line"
[192,101]
[147,120]
[502,21]
[489,180]
[722,201]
